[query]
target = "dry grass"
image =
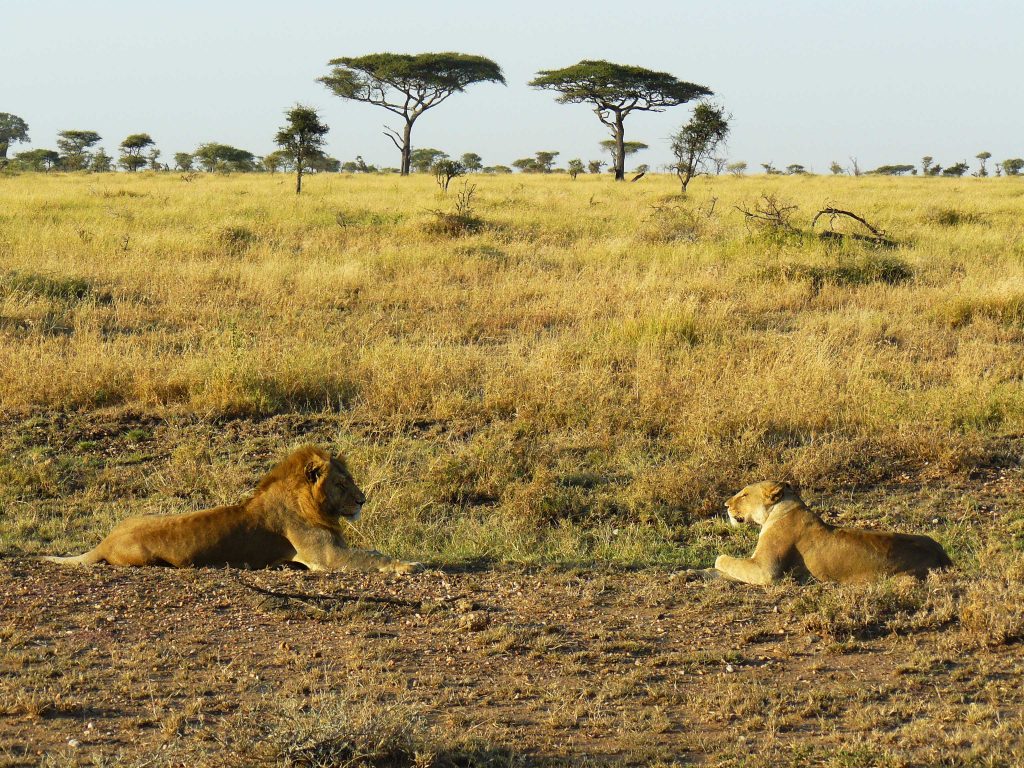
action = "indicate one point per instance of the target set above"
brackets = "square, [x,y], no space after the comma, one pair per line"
[585,373]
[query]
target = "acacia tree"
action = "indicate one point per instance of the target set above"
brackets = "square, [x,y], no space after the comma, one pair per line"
[422,160]
[472,162]
[615,91]
[74,148]
[1013,166]
[38,159]
[407,84]
[223,157]
[131,151]
[696,141]
[302,140]
[12,129]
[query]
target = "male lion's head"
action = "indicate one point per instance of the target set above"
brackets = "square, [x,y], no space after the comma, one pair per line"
[319,484]
[753,504]
[334,492]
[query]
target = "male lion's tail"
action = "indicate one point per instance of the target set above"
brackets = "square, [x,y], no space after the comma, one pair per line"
[89,558]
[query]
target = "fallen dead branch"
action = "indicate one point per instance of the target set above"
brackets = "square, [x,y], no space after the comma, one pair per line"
[344,597]
[768,213]
[877,236]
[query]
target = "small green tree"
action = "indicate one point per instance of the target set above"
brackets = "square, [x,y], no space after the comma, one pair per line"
[422,160]
[408,85]
[223,157]
[131,151]
[957,169]
[1013,166]
[183,161]
[738,168]
[446,170]
[696,141]
[325,164]
[575,168]
[615,91]
[472,162]
[982,157]
[595,166]
[302,140]
[526,165]
[893,170]
[12,130]
[275,161]
[359,166]
[541,162]
[546,160]
[836,168]
[926,165]
[37,159]
[74,148]
[796,169]
[101,162]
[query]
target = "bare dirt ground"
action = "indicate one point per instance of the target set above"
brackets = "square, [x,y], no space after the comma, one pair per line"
[501,667]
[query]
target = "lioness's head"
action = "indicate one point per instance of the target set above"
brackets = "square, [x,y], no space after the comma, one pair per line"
[335,494]
[753,504]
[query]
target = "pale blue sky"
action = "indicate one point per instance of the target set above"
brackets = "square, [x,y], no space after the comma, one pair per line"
[807,82]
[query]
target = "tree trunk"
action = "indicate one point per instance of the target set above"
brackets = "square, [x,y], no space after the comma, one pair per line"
[620,149]
[3,151]
[298,179]
[685,173]
[406,148]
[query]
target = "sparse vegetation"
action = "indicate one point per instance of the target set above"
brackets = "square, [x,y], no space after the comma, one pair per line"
[568,379]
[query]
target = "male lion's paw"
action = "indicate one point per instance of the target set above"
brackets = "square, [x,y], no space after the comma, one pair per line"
[406,567]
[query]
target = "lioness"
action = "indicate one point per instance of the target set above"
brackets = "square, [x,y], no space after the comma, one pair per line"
[795,539]
[293,517]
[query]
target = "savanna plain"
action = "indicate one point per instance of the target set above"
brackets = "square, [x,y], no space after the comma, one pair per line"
[547,389]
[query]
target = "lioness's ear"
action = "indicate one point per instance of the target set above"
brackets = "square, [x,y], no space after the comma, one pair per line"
[774,492]
[315,469]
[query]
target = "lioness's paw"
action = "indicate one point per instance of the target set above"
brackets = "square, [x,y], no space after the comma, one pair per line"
[700,574]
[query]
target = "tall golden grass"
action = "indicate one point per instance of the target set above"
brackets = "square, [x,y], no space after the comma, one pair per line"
[592,369]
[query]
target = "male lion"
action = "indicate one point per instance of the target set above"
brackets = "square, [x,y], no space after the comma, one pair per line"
[795,539]
[293,517]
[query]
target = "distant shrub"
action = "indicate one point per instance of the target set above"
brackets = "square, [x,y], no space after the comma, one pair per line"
[46,286]
[1008,310]
[445,224]
[863,270]
[461,221]
[954,217]
[234,239]
[675,223]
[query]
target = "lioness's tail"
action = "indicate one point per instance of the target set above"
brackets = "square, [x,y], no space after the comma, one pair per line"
[89,558]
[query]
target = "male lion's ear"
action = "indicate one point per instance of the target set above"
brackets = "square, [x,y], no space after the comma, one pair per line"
[314,469]
[774,492]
